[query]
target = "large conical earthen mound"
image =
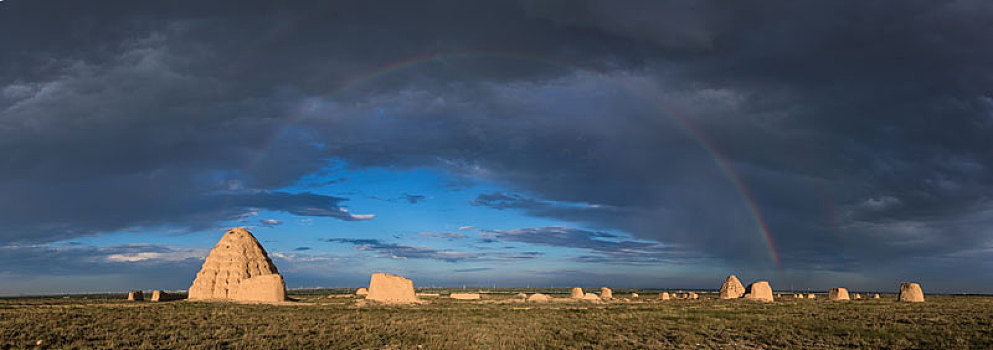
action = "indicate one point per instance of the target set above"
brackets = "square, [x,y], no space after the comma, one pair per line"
[732,288]
[238,268]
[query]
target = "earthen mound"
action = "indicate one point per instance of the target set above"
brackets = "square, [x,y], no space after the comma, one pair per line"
[606,293]
[664,296]
[634,295]
[539,298]
[465,296]
[732,289]
[875,296]
[911,292]
[362,292]
[811,296]
[135,295]
[760,291]
[238,268]
[692,295]
[838,294]
[392,289]
[577,293]
[160,295]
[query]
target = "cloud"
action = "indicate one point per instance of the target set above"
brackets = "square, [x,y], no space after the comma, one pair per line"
[300,249]
[270,222]
[62,219]
[476,269]
[302,204]
[880,203]
[137,165]
[406,197]
[402,251]
[413,198]
[605,247]
[446,235]
[44,269]
[34,260]
[146,256]
[296,258]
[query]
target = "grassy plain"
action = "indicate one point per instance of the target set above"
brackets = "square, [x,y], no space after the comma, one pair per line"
[499,322]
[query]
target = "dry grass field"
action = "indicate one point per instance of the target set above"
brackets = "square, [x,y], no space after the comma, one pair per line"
[499,322]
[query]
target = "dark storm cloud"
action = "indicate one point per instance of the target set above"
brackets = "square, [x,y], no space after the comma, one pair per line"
[860,130]
[72,209]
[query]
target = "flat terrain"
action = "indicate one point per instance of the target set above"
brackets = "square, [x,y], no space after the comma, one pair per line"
[499,322]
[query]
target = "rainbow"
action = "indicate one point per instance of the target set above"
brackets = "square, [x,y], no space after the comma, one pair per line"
[720,162]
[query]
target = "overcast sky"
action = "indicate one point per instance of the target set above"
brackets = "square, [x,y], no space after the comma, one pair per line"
[814,144]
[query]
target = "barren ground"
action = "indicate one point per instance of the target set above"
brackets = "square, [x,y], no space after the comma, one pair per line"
[498,322]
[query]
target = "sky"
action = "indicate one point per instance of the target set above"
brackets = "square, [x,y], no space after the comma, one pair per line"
[558,143]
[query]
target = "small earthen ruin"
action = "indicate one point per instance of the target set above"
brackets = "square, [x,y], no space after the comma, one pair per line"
[838,294]
[911,292]
[760,291]
[465,296]
[391,289]
[539,298]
